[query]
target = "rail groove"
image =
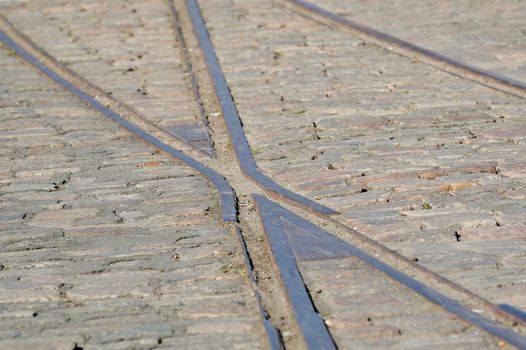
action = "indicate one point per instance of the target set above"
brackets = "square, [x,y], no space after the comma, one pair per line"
[271,212]
[440,61]
[190,70]
[228,197]
[233,121]
[274,340]
[323,245]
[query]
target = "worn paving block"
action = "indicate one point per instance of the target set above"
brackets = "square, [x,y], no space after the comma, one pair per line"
[97,231]
[419,151]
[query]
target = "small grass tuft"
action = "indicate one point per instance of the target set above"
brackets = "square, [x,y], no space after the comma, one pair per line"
[299,112]
[226,268]
[10,53]
[278,54]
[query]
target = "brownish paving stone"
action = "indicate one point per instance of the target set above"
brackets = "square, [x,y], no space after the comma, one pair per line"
[409,155]
[129,50]
[99,250]
[488,34]
[363,310]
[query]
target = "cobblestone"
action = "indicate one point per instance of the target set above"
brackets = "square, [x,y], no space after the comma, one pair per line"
[129,50]
[409,155]
[106,243]
[365,311]
[99,250]
[487,34]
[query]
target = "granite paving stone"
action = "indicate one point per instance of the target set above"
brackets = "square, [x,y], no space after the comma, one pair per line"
[106,243]
[411,156]
[487,34]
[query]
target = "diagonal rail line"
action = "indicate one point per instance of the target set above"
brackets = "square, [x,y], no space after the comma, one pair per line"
[228,197]
[405,48]
[233,121]
[314,331]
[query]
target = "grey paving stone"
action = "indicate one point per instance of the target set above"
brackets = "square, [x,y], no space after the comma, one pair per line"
[487,34]
[103,235]
[409,155]
[106,243]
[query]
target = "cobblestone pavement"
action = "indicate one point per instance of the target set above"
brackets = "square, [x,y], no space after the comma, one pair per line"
[364,310]
[484,33]
[426,163]
[128,50]
[107,243]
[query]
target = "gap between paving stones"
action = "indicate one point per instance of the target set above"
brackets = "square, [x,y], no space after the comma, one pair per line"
[268,284]
[409,268]
[406,49]
[252,190]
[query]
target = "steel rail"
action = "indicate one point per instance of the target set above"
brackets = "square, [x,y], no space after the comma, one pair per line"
[514,311]
[443,62]
[313,330]
[230,114]
[320,244]
[228,197]
[249,166]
